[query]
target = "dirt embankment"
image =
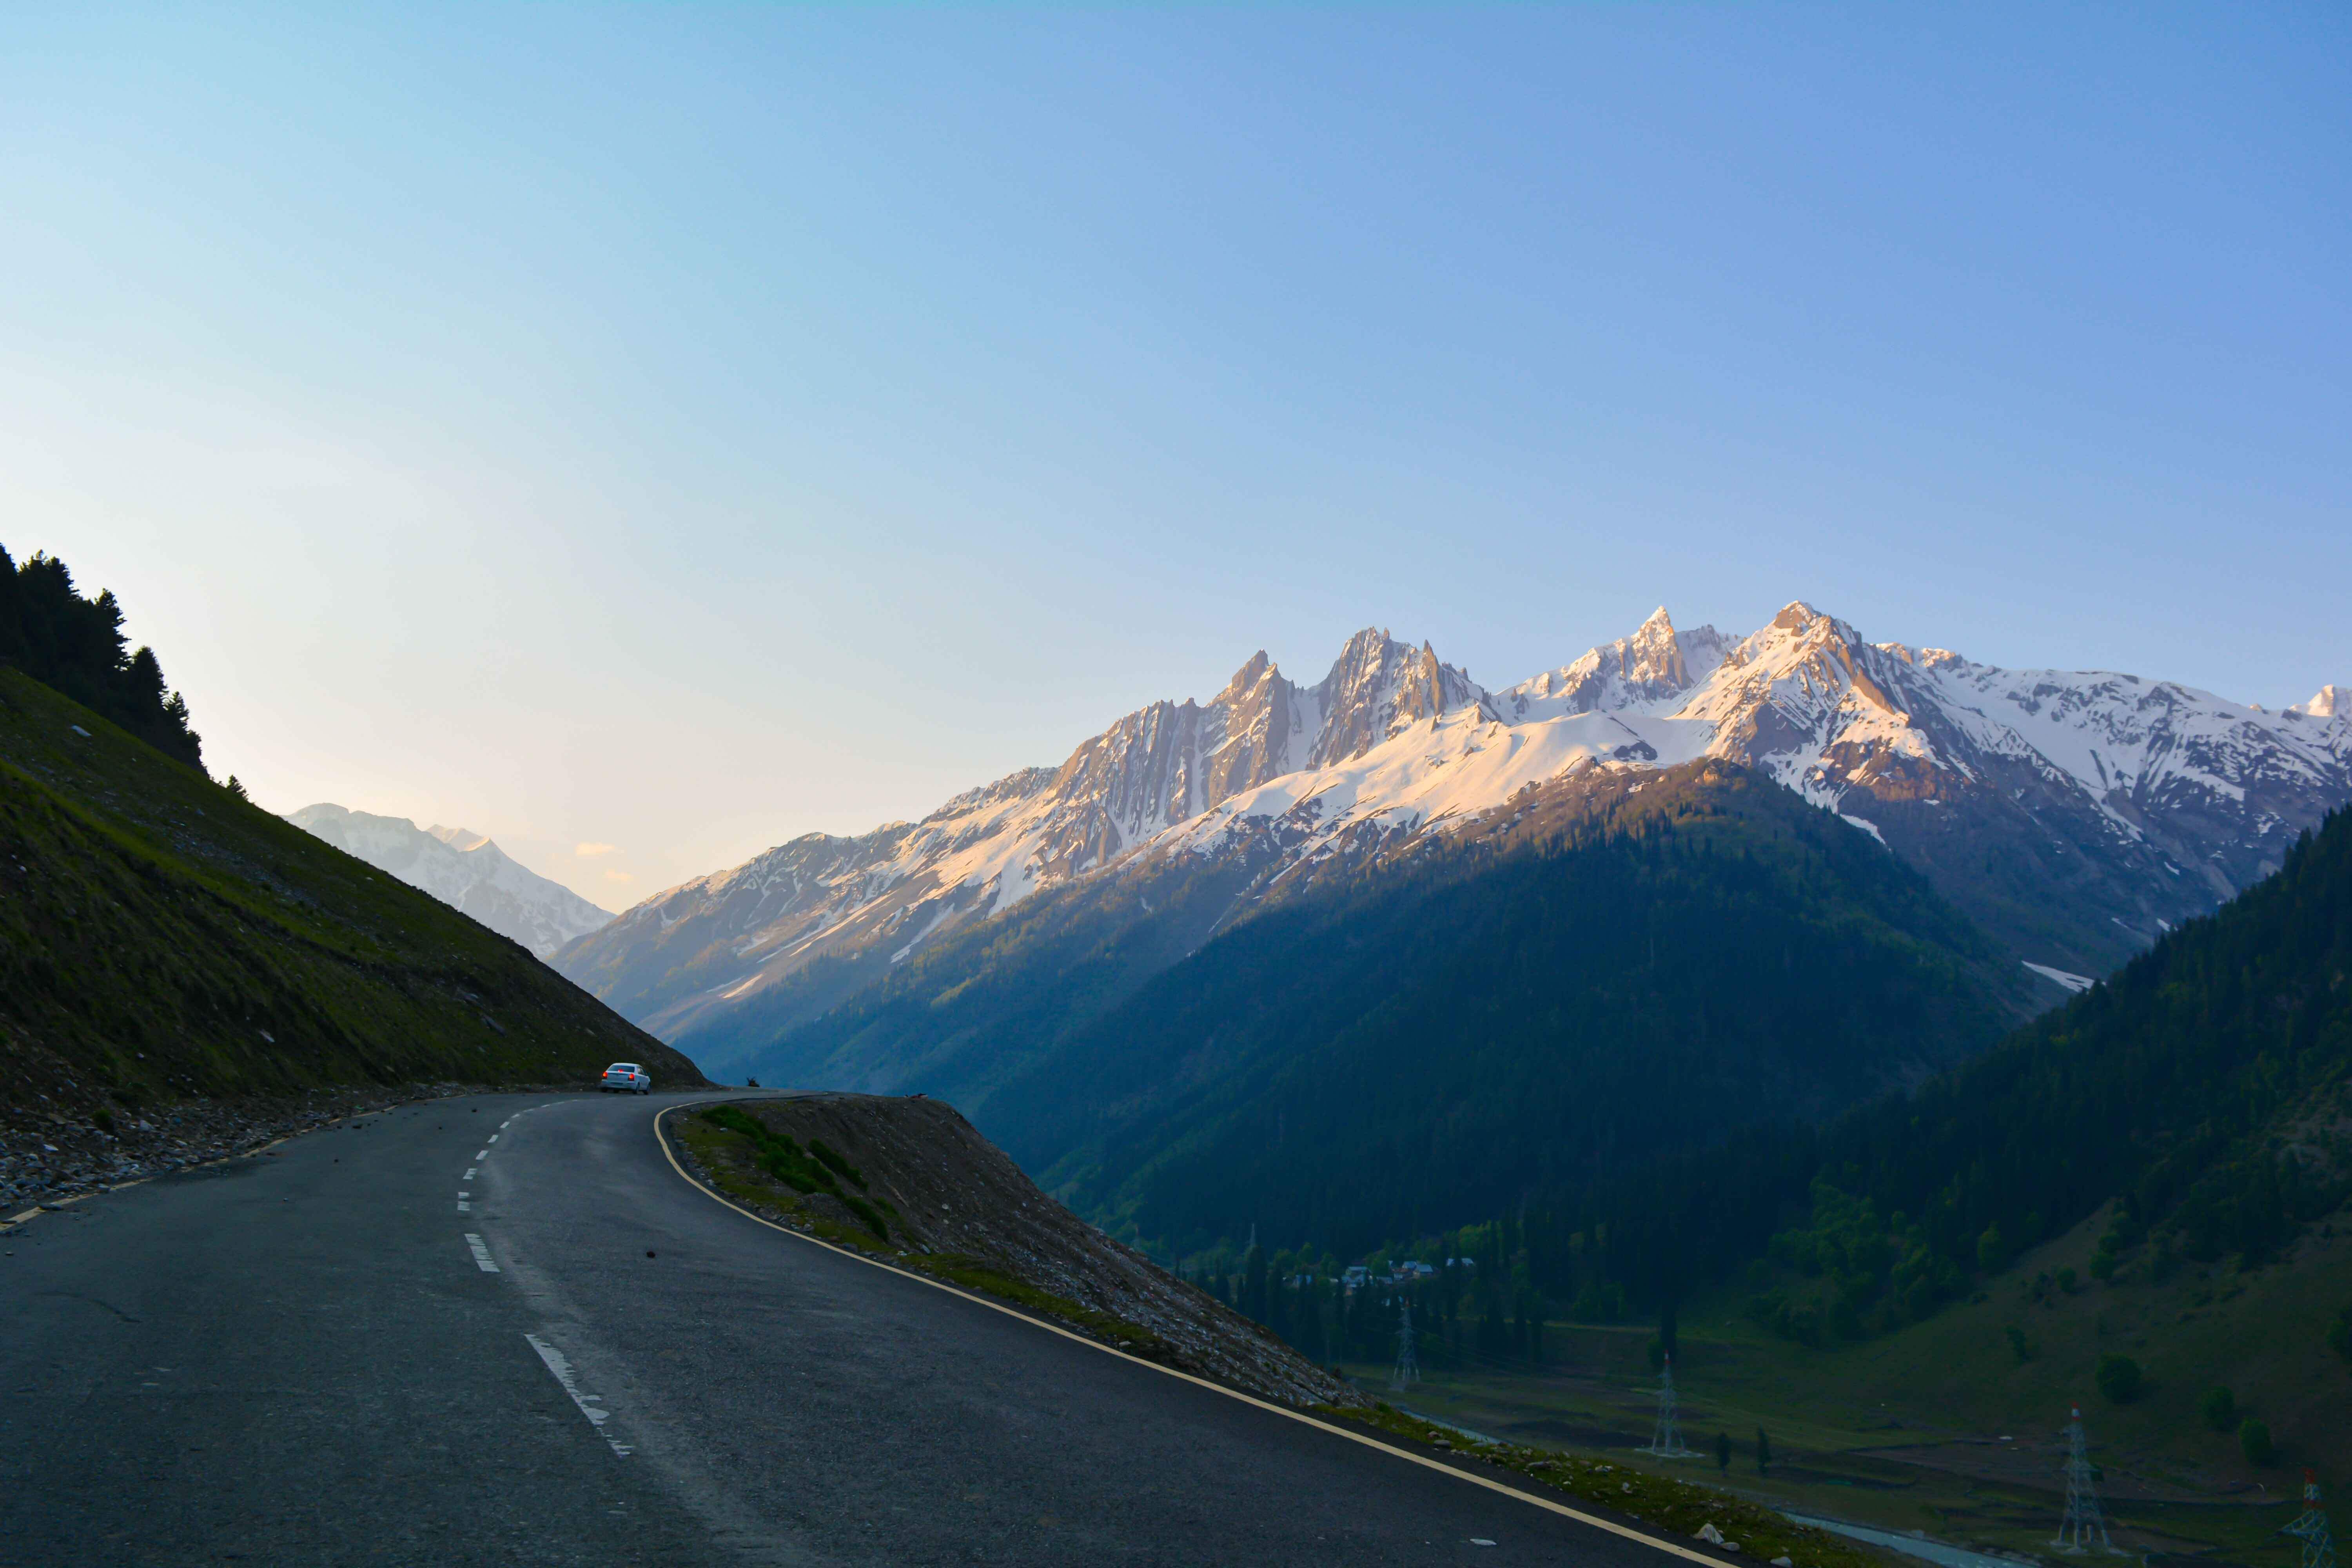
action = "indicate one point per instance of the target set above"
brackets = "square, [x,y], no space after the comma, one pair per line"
[911,1180]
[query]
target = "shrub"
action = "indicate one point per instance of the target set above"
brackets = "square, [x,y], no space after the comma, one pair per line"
[2018,1345]
[2255,1439]
[824,1151]
[2119,1378]
[1992,1253]
[867,1215]
[2340,1334]
[2066,1280]
[2219,1408]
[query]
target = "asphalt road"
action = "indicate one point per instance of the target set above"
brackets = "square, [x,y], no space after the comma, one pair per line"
[301,1358]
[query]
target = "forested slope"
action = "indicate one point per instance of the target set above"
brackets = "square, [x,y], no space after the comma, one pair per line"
[2204,1087]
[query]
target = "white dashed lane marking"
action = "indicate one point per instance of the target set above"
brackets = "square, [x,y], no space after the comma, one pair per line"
[494,1137]
[468,1176]
[481,1253]
[562,1367]
[482,1155]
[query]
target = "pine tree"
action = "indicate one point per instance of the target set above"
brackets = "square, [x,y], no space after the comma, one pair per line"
[1723,1451]
[1763,1452]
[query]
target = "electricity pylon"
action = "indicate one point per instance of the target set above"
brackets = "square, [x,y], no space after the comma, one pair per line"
[2084,1524]
[1666,1441]
[2318,1546]
[1408,1366]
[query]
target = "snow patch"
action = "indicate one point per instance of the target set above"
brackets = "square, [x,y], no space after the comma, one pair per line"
[2077,984]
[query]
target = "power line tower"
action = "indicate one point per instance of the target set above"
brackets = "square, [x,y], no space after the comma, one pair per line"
[1666,1440]
[2318,1546]
[1408,1366]
[2083,1524]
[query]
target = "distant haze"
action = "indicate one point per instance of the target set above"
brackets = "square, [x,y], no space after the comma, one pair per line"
[646,435]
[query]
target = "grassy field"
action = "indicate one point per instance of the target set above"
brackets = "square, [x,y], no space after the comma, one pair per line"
[1943,1428]
[161,937]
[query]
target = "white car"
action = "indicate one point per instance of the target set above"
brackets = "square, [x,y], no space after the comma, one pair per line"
[625,1077]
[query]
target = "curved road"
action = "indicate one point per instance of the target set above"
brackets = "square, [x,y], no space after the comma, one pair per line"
[301,1358]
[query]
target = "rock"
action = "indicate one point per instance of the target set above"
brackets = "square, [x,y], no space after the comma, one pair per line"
[1709,1533]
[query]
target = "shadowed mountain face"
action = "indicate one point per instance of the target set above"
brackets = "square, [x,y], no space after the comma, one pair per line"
[464,871]
[1610,963]
[2073,816]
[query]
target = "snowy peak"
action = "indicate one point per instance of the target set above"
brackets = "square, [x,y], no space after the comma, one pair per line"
[2321,704]
[1647,673]
[463,869]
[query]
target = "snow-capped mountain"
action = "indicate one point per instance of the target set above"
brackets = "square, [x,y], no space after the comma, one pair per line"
[2075,814]
[464,871]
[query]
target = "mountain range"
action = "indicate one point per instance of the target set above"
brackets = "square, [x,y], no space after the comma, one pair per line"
[463,869]
[2074,815]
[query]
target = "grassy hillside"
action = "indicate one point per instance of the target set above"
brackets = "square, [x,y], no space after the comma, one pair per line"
[159,936]
[1583,977]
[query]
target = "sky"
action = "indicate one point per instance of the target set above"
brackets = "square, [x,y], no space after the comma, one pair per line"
[647,434]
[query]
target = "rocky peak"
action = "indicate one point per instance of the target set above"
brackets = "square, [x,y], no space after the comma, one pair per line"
[1376,687]
[1246,679]
[1653,656]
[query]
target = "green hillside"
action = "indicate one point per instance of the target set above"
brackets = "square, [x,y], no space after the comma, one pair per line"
[159,936]
[1577,980]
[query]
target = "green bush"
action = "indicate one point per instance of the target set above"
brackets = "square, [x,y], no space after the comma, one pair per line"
[2340,1334]
[2119,1378]
[2219,1408]
[2018,1345]
[824,1151]
[1992,1253]
[866,1214]
[2255,1439]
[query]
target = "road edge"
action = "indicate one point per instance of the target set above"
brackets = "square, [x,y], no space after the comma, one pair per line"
[1548,1505]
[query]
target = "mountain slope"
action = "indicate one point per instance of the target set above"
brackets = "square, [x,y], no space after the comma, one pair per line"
[159,936]
[2075,816]
[1612,961]
[464,871]
[2207,1088]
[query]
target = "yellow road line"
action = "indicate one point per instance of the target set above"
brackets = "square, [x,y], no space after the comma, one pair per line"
[1595,1521]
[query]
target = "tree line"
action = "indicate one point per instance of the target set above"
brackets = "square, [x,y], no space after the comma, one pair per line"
[75,646]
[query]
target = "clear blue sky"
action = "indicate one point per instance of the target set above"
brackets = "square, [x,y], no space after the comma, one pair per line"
[679,428]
